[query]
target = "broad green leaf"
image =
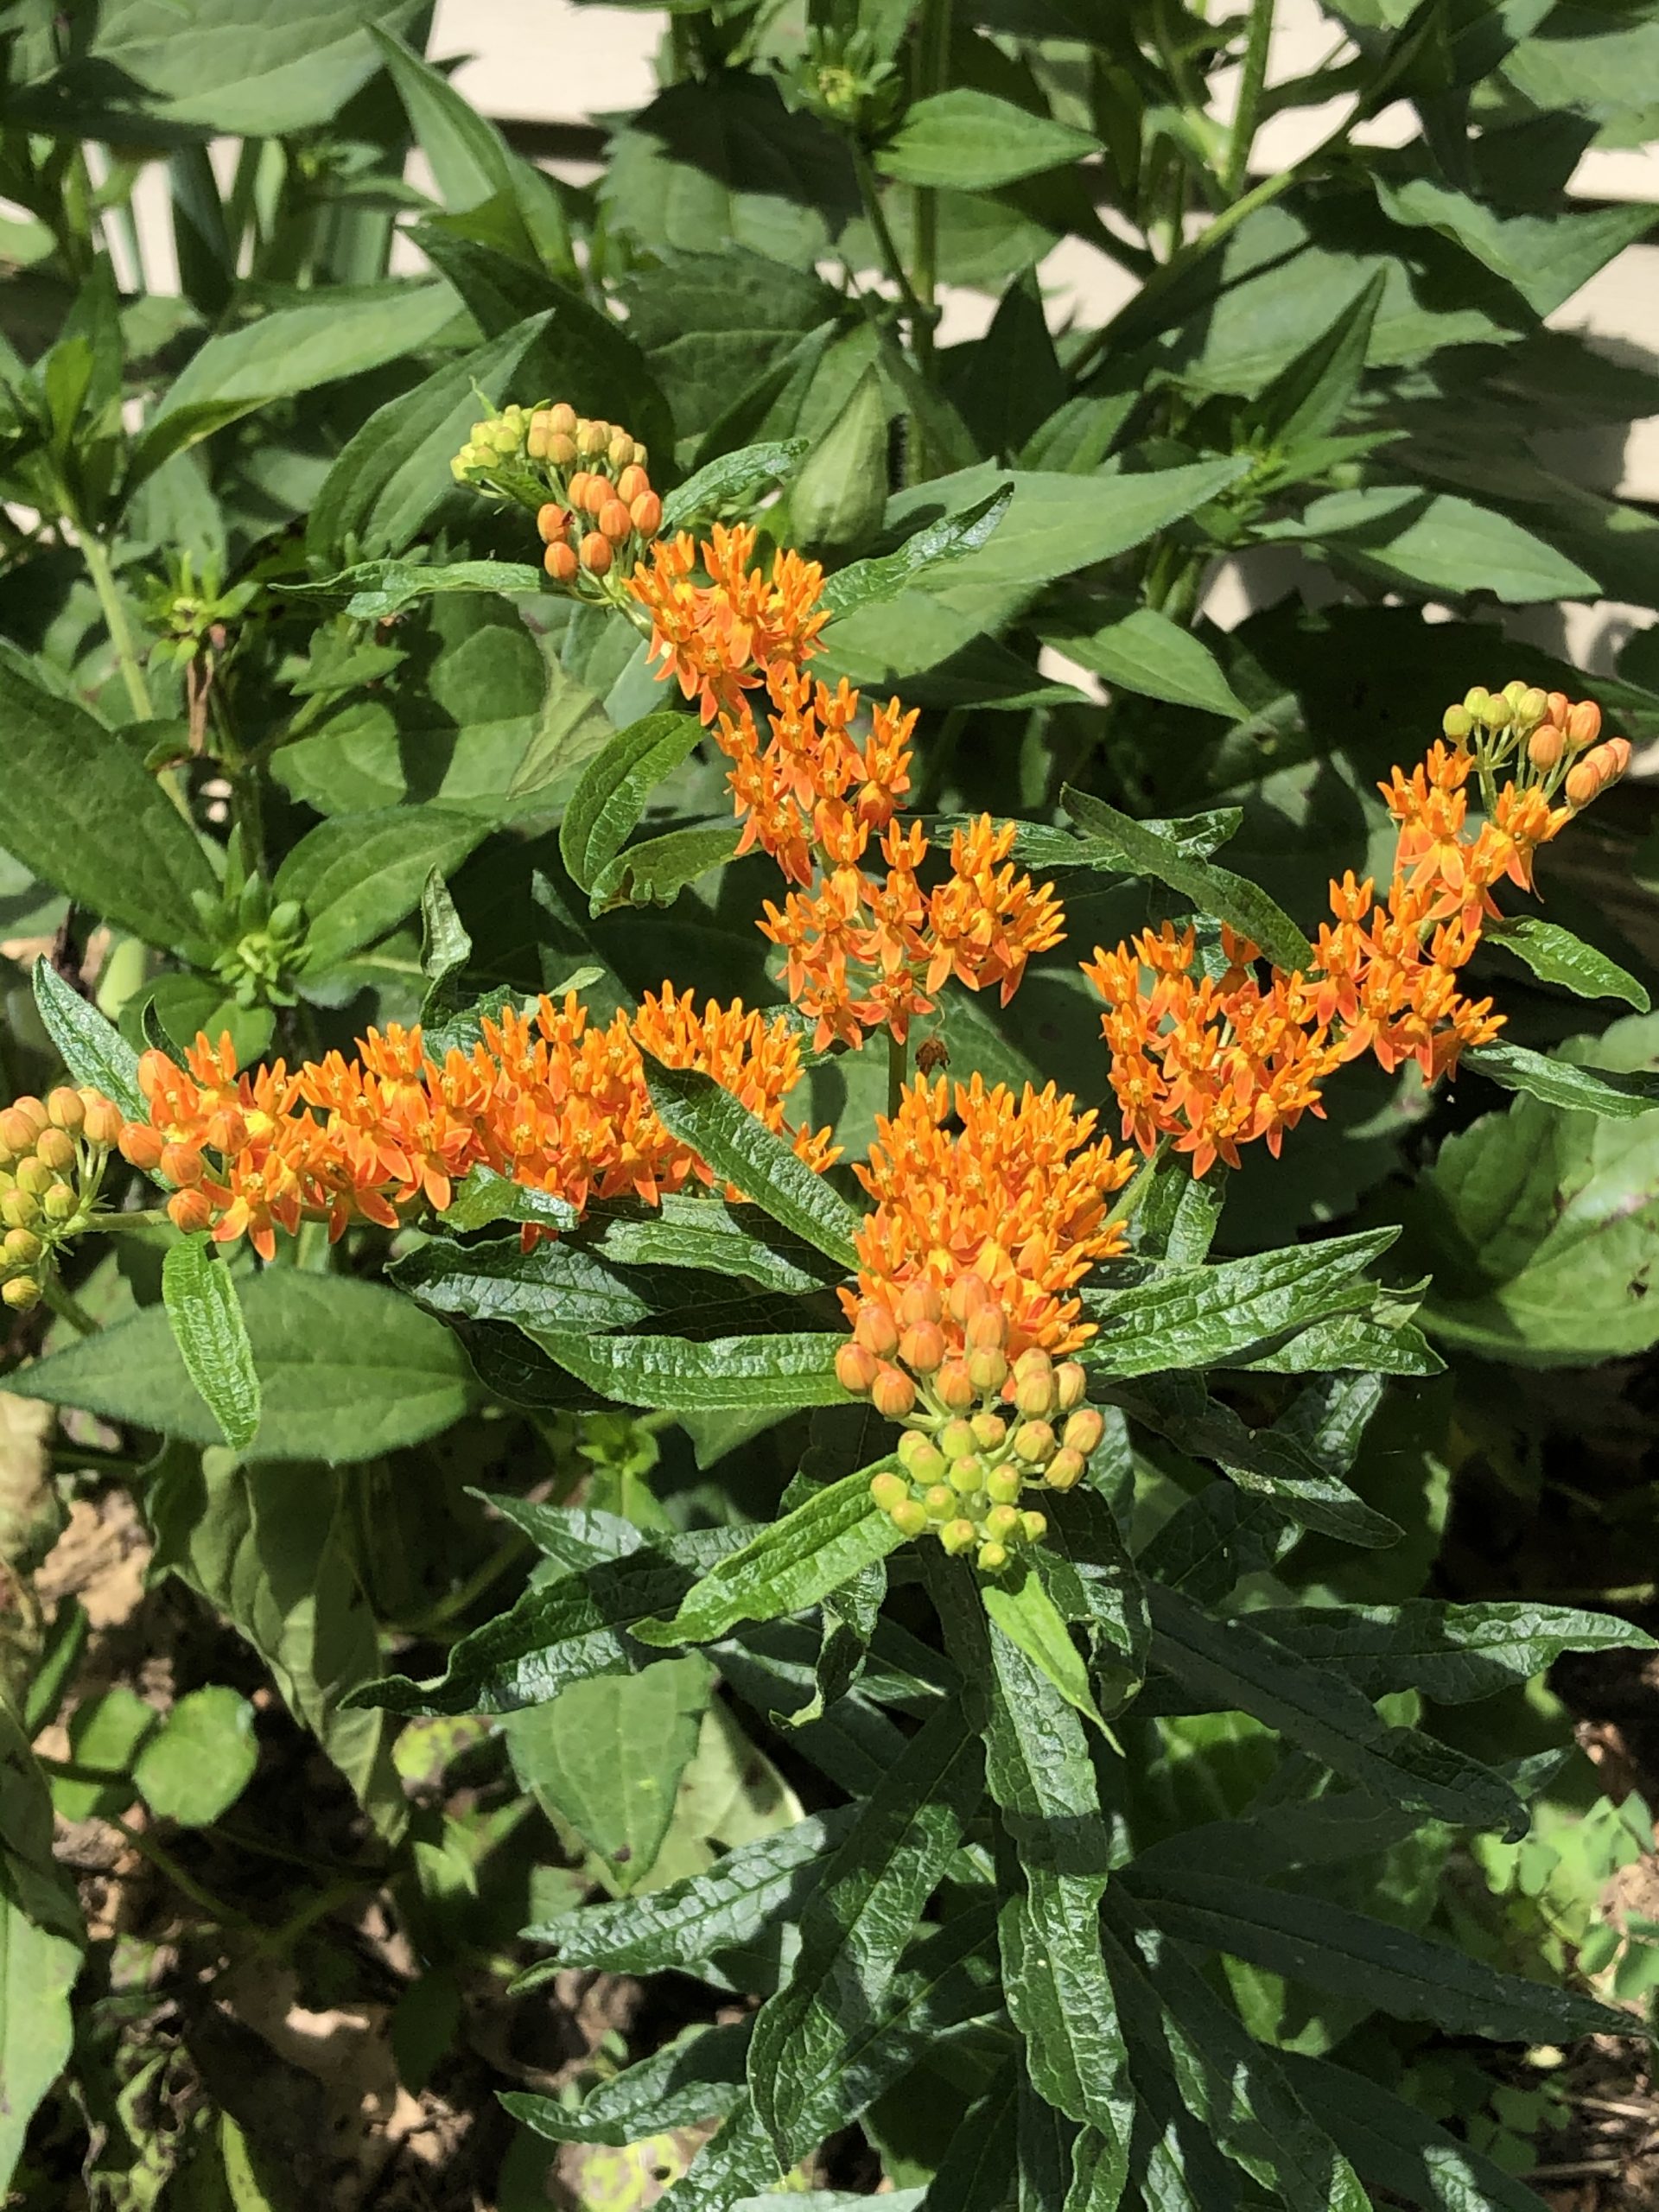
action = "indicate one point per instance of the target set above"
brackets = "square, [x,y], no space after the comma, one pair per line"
[1234,1669]
[745,1892]
[1314,1940]
[730,479]
[1232,2085]
[611,798]
[200,1295]
[1436,542]
[556,1633]
[1022,1609]
[358,875]
[289,351]
[791,1564]
[1547,258]
[199,1760]
[1383,1341]
[1231,898]
[1398,2149]
[39,1946]
[697,1230]
[1556,956]
[376,590]
[1562,1083]
[607,1755]
[654,872]
[839,494]
[1144,652]
[483,1197]
[1310,396]
[1453,1654]
[392,474]
[866,583]
[1196,1317]
[93,1050]
[273,1546]
[856,1923]
[697,2076]
[722,1132]
[971,141]
[471,161]
[347,1371]
[104,1732]
[675,1375]
[82,814]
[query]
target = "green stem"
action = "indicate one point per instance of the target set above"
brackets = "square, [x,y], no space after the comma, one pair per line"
[1130,1198]
[930,68]
[1250,84]
[68,1307]
[117,1224]
[898,1069]
[223,1915]
[115,620]
[916,317]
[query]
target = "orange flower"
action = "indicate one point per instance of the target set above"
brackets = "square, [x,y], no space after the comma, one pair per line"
[1016,1194]
[718,639]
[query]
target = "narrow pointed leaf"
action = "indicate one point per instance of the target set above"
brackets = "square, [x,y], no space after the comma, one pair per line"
[1562,1083]
[93,1050]
[609,800]
[206,1317]
[675,1375]
[1555,955]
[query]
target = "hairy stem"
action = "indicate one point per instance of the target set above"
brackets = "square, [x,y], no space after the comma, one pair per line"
[1250,84]
[68,1307]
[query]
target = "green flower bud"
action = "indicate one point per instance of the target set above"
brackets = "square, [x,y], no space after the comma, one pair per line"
[35,1176]
[990,1431]
[1033,1442]
[940,1500]
[965,1477]
[19,1208]
[1477,702]
[20,1293]
[1004,1484]
[955,1535]
[286,917]
[992,1558]
[910,1518]
[956,1440]
[21,1248]
[1034,1525]
[61,1202]
[1002,1522]
[889,1491]
[1456,723]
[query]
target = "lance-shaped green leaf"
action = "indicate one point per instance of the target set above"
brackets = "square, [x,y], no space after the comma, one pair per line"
[1555,955]
[1310,395]
[1562,1083]
[1105,1589]
[1023,1610]
[697,1229]
[1041,1776]
[743,1894]
[964,140]
[1453,1653]
[722,1132]
[566,1285]
[978,2171]
[791,1564]
[1310,1940]
[93,1050]
[39,1946]
[1196,1317]
[358,875]
[205,1316]
[654,872]
[483,1196]
[1227,2080]
[1396,2148]
[863,583]
[1136,649]
[556,1634]
[1216,891]
[609,800]
[730,479]
[373,591]
[1381,1341]
[697,2076]
[675,1375]
[1234,1670]
[857,1922]
[82,814]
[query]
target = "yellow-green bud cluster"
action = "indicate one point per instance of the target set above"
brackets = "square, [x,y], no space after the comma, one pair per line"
[585,482]
[52,1155]
[1544,739]
[979,1434]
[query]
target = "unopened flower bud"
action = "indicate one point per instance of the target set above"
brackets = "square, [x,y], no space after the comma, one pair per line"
[969,1295]
[21,1248]
[577,490]
[955,1387]
[639,456]
[888,1489]
[1002,1522]
[16,1133]
[1033,1442]
[614,521]
[61,1202]
[893,1393]
[922,1347]
[1035,1394]
[921,1302]
[956,1440]
[1582,784]
[1033,1361]
[592,439]
[646,513]
[1583,724]
[910,1518]
[1083,1430]
[181,1164]
[620,451]
[595,553]
[1618,750]
[141,1146]
[1514,692]
[22,1293]
[561,450]
[1003,1485]
[1477,702]
[988,1327]
[102,1125]
[876,1330]
[920,1457]
[1064,1470]
[562,418]
[1532,706]
[1071,1385]
[990,1431]
[958,1535]
[67,1109]
[35,1176]
[1035,1526]
[856,1369]
[551,521]
[940,1500]
[1545,746]
[56,1147]
[966,1476]
[992,1557]
[562,564]
[154,1070]
[631,483]
[1456,723]
[19,1208]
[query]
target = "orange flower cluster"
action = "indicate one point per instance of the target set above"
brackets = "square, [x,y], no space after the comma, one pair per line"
[1010,1192]
[864,950]
[1213,1060]
[550,1102]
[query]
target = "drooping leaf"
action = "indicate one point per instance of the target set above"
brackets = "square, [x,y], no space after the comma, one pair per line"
[1562,1083]
[935,545]
[654,872]
[1022,1609]
[1555,955]
[697,2076]
[205,1316]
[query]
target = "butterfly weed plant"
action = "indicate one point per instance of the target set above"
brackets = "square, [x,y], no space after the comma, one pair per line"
[806,1338]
